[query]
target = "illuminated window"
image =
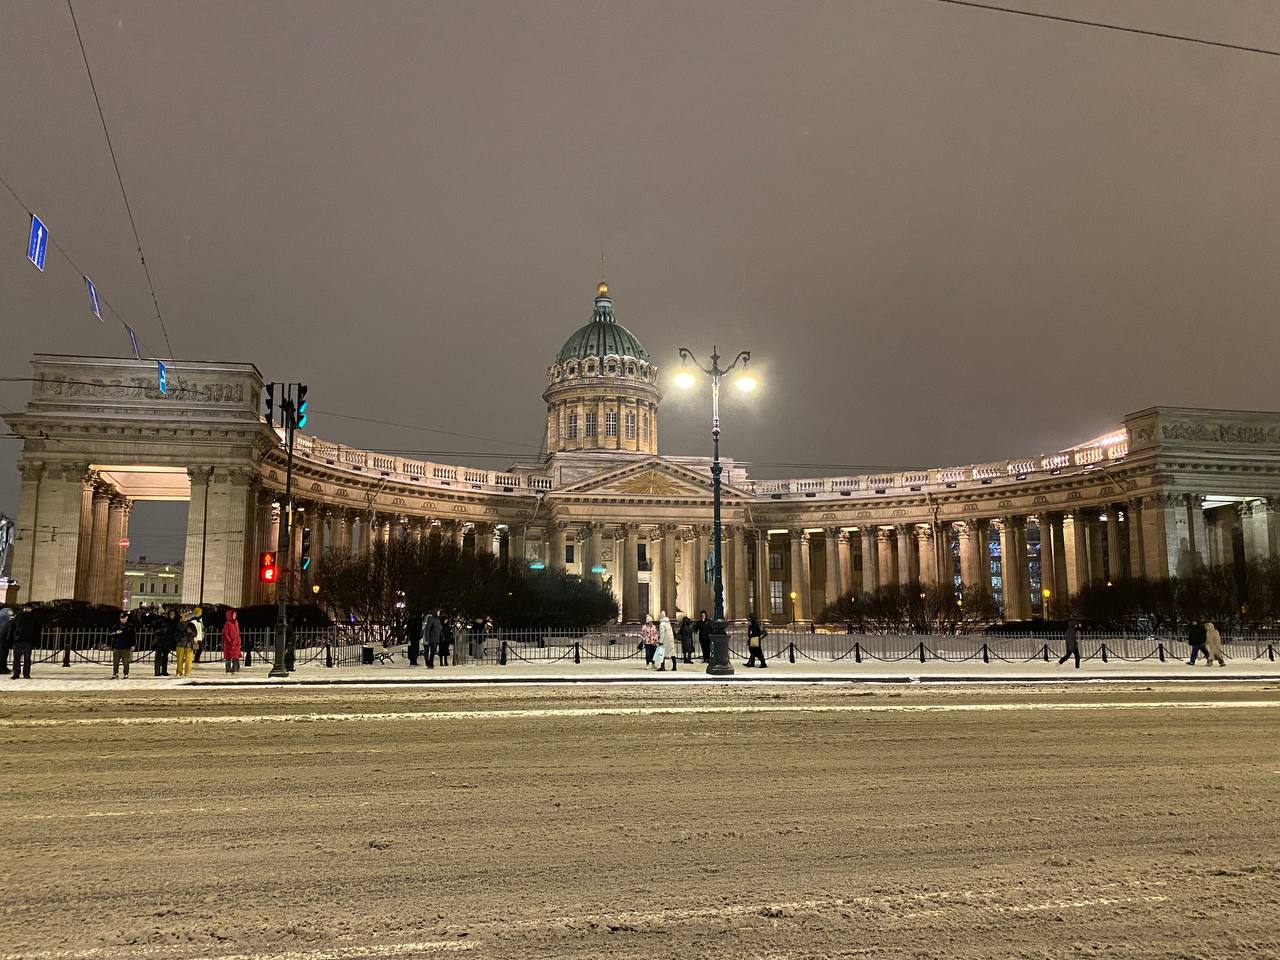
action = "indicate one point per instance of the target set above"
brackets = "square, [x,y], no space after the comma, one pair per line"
[775,596]
[572,431]
[591,423]
[568,553]
[611,423]
[775,559]
[631,426]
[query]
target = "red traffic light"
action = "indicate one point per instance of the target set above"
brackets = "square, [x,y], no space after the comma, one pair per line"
[267,568]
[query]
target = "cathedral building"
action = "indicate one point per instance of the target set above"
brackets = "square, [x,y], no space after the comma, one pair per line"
[1168,490]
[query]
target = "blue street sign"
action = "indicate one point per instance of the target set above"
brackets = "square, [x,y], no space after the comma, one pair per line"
[37,243]
[133,340]
[161,379]
[94,304]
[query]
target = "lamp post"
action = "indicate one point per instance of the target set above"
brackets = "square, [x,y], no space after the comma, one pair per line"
[719,665]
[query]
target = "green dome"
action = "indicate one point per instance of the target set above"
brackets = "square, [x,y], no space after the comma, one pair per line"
[602,337]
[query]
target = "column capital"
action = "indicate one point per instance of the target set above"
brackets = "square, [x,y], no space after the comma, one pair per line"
[199,474]
[831,533]
[31,469]
[842,536]
[923,533]
[883,534]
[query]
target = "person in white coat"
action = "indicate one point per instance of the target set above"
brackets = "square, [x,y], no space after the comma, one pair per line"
[1213,640]
[666,641]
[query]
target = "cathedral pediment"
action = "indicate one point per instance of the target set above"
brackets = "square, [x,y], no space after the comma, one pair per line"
[650,479]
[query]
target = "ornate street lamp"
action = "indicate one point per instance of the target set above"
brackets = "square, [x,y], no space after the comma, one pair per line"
[745,382]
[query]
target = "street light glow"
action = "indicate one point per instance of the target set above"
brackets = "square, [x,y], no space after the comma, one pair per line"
[684,380]
[746,382]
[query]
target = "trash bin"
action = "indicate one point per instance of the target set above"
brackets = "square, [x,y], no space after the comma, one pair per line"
[366,656]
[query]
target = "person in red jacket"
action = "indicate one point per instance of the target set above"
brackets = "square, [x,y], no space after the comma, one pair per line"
[231,642]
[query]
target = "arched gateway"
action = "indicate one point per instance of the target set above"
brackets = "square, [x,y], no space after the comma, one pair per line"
[1169,489]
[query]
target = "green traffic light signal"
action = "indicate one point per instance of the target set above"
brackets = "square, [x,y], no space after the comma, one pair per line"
[301,420]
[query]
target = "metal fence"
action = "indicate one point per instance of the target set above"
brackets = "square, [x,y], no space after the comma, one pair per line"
[343,646]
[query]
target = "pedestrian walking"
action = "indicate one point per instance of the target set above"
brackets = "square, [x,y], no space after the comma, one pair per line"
[1197,637]
[755,641]
[415,637]
[6,637]
[1213,646]
[231,642]
[166,642]
[26,629]
[686,639]
[123,639]
[185,648]
[649,639]
[1071,644]
[666,641]
[703,630]
[432,631]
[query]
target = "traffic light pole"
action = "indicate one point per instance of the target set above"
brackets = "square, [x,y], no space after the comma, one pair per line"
[283,541]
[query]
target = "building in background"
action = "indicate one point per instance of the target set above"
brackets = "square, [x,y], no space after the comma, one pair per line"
[151,584]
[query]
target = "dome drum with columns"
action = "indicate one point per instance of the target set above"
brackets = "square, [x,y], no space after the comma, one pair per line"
[1168,490]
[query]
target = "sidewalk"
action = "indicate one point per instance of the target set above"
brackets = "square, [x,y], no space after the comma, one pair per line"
[51,676]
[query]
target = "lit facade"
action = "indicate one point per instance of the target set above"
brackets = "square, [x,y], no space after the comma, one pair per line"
[1169,489]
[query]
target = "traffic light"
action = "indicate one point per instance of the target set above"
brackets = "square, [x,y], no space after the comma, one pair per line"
[300,420]
[306,549]
[267,568]
[270,402]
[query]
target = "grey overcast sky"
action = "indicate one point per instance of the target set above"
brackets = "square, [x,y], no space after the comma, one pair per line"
[948,235]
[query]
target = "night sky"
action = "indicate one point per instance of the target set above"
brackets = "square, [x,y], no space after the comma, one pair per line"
[947,235]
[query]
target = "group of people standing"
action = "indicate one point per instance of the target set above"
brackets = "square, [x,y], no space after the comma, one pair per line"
[430,636]
[179,636]
[658,640]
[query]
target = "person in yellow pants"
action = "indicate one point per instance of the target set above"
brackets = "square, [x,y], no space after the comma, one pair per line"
[186,646]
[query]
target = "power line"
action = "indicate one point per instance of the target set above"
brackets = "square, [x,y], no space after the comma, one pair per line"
[128,209]
[74,266]
[994,8]
[412,426]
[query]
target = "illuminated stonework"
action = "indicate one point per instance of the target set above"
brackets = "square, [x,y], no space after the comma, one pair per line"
[1169,489]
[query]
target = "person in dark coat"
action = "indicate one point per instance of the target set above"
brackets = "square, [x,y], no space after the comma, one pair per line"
[446,641]
[686,639]
[755,641]
[432,631]
[703,630]
[415,637]
[123,639]
[166,641]
[1198,637]
[1071,644]
[26,634]
[6,637]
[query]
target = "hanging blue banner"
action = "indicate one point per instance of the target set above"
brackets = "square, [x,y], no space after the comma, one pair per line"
[94,304]
[37,242]
[162,381]
[133,340]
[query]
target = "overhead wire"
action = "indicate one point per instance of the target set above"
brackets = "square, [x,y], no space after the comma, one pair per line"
[119,179]
[1120,28]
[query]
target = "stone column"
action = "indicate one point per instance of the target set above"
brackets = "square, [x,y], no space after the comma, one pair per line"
[1115,557]
[193,565]
[845,561]
[762,608]
[518,549]
[96,590]
[1133,524]
[1061,582]
[1013,568]
[117,526]
[927,553]
[667,599]
[631,612]
[705,600]
[1097,562]
[556,560]
[1076,555]
[908,562]
[1195,526]
[870,566]
[484,539]
[1008,576]
[26,534]
[741,598]
[84,549]
[1046,561]
[800,584]
[885,557]
[831,547]
[595,535]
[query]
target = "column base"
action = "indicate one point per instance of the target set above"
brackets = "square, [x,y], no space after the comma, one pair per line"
[719,665]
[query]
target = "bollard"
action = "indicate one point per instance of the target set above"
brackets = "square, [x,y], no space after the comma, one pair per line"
[791,651]
[577,652]
[857,652]
[328,656]
[922,651]
[1160,651]
[1046,653]
[1271,652]
[66,653]
[674,661]
[502,655]
[1104,652]
[986,655]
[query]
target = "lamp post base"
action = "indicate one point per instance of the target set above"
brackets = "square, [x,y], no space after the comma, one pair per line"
[719,665]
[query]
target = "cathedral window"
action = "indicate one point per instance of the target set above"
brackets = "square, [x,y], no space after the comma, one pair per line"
[572,431]
[591,423]
[631,426]
[611,423]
